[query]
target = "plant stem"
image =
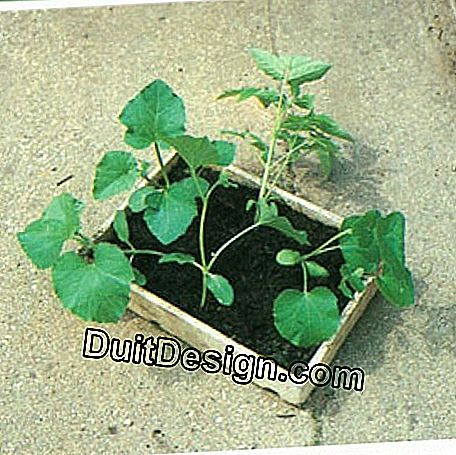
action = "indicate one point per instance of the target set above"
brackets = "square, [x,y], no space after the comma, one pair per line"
[229,242]
[204,290]
[162,166]
[323,248]
[278,120]
[134,251]
[202,247]
[304,276]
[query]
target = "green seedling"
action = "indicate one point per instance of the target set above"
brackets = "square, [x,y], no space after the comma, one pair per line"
[94,281]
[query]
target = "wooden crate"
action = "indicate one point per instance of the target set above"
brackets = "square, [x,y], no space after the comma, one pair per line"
[202,336]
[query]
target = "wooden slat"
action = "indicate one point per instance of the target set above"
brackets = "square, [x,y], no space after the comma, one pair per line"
[201,336]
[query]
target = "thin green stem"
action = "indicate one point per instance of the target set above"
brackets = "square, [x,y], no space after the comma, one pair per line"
[151,252]
[278,121]
[304,277]
[204,290]
[161,164]
[229,242]
[324,247]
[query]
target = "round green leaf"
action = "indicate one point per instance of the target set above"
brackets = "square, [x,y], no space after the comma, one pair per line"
[116,172]
[96,290]
[288,257]
[306,319]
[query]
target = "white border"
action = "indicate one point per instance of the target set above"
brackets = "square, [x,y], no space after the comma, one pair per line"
[60,4]
[428,447]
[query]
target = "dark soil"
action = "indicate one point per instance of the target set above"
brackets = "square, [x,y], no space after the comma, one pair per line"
[249,265]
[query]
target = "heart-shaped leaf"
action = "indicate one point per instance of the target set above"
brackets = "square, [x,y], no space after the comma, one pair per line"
[116,172]
[98,290]
[155,113]
[43,239]
[306,319]
[176,210]
[197,151]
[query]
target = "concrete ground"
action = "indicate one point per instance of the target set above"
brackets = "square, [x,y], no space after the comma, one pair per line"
[66,74]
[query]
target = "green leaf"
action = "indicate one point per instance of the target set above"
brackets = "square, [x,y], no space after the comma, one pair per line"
[326,161]
[316,270]
[352,277]
[315,122]
[155,113]
[306,319]
[296,69]
[225,152]
[140,279]
[120,226]
[360,248]
[180,258]
[266,96]
[220,288]
[196,151]
[377,246]
[396,283]
[97,291]
[147,196]
[224,180]
[116,172]
[288,257]
[391,235]
[304,101]
[329,126]
[268,216]
[176,210]
[298,122]
[43,239]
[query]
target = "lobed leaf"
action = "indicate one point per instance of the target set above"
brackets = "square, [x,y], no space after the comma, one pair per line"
[196,151]
[176,210]
[116,172]
[43,239]
[306,319]
[155,113]
[95,291]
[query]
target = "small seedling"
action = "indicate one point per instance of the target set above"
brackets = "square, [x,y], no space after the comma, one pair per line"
[94,281]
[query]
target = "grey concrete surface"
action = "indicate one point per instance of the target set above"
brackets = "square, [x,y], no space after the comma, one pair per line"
[65,76]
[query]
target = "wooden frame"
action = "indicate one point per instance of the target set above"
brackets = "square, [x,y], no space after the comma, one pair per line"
[202,336]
